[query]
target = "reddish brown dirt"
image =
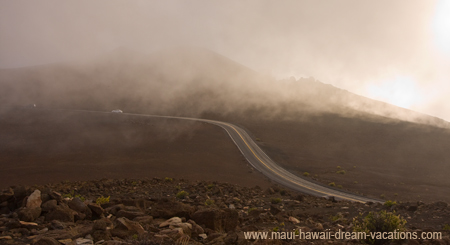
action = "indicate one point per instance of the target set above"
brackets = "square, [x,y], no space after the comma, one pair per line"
[399,160]
[38,147]
[389,160]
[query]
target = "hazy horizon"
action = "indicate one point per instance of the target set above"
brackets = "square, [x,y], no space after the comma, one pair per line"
[383,50]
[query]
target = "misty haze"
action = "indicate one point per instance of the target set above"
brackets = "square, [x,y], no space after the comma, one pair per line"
[251,111]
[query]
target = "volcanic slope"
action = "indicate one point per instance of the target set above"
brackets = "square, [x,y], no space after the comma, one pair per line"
[303,124]
[39,147]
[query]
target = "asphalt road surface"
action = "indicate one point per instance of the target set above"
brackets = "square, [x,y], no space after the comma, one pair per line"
[260,161]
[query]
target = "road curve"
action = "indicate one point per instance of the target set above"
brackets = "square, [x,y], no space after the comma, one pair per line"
[260,161]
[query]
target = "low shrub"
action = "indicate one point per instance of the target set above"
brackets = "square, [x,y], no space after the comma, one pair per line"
[209,202]
[102,200]
[275,200]
[390,203]
[182,195]
[378,222]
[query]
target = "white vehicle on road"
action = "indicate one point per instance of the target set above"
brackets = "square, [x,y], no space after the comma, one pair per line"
[117,111]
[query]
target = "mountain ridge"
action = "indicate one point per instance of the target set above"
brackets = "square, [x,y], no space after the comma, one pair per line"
[185,81]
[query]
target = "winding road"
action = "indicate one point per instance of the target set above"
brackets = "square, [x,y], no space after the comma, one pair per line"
[260,161]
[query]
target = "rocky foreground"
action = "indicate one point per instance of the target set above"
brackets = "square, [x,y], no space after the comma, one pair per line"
[168,211]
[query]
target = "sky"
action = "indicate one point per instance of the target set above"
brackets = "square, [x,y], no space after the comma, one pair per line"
[394,51]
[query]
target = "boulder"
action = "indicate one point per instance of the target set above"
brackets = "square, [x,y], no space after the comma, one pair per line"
[29,214]
[196,229]
[55,196]
[100,230]
[96,209]
[77,205]
[217,219]
[6,195]
[125,228]
[171,221]
[34,200]
[102,224]
[61,213]
[49,205]
[168,208]
[294,220]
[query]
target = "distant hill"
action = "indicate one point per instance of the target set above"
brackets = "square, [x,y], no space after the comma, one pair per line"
[184,81]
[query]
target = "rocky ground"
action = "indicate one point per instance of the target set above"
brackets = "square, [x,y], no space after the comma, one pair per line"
[175,211]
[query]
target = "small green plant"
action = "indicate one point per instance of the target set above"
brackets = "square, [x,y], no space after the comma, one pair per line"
[276,229]
[251,209]
[69,195]
[355,182]
[446,227]
[258,139]
[134,237]
[182,195]
[395,194]
[341,171]
[72,195]
[332,184]
[339,186]
[102,200]
[134,183]
[210,186]
[275,200]
[383,196]
[209,202]
[336,217]
[167,179]
[178,187]
[390,203]
[282,224]
[378,223]
[306,174]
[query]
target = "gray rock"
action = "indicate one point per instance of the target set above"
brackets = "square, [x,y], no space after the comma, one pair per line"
[61,213]
[167,209]
[29,214]
[49,205]
[34,200]
[96,209]
[77,205]
[102,224]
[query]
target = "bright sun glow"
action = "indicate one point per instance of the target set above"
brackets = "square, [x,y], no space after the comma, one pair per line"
[441,26]
[400,91]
